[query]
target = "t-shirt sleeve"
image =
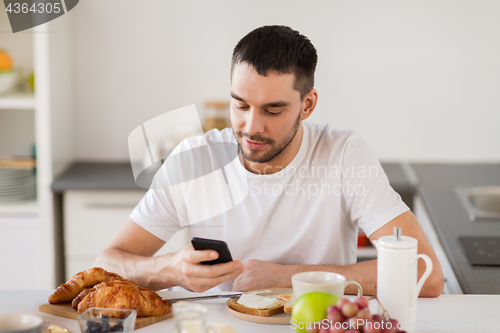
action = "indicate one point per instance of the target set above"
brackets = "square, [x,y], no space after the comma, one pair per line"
[156,212]
[367,197]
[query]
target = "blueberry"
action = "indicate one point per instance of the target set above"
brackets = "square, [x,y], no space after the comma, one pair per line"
[105,327]
[117,328]
[94,327]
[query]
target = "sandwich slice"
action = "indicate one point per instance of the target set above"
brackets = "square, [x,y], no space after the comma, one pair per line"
[287,300]
[257,305]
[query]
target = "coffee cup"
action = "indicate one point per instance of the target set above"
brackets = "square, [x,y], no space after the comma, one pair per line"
[325,282]
[20,323]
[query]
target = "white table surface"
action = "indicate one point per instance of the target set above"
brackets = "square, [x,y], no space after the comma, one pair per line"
[447,313]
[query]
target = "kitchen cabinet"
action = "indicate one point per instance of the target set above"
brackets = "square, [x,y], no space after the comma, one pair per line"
[19,245]
[43,118]
[91,218]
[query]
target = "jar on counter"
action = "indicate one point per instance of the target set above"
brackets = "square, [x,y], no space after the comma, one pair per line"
[216,115]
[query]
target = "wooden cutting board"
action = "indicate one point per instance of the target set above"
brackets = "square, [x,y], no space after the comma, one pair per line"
[65,310]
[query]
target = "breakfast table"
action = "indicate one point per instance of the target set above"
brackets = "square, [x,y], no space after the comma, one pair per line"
[446,313]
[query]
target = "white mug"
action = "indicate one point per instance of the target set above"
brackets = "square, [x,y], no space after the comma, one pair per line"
[326,282]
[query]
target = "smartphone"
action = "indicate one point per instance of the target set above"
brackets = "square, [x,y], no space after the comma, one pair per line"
[212,244]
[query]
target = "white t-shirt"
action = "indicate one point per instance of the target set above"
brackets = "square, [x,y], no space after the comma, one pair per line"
[307,213]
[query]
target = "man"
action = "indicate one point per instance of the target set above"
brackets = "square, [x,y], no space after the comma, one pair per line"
[311,187]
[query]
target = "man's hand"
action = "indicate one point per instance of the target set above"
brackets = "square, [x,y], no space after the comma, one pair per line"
[192,275]
[262,274]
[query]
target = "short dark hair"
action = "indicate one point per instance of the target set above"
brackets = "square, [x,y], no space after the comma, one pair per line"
[280,49]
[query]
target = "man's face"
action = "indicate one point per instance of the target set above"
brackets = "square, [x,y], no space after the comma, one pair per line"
[265,113]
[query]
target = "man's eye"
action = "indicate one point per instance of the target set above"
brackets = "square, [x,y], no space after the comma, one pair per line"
[273,113]
[239,107]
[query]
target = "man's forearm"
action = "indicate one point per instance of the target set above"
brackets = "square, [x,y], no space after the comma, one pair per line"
[263,274]
[149,272]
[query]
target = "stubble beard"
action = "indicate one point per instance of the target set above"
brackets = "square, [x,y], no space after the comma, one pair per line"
[275,150]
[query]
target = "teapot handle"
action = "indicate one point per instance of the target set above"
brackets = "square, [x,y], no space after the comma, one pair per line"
[427,273]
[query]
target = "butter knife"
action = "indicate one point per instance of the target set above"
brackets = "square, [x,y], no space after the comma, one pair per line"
[201,298]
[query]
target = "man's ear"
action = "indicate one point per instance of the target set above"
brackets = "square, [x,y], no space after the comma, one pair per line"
[309,103]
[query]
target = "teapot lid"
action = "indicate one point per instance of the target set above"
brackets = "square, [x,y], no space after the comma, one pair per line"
[404,243]
[397,241]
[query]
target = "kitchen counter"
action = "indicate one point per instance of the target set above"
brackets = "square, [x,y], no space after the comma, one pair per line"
[436,188]
[118,176]
[447,313]
[96,176]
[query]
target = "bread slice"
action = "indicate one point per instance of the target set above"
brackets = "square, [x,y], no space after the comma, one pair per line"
[284,298]
[287,300]
[288,308]
[256,312]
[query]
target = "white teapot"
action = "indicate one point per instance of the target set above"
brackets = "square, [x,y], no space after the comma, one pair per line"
[397,288]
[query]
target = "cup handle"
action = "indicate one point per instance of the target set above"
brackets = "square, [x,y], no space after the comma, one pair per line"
[360,289]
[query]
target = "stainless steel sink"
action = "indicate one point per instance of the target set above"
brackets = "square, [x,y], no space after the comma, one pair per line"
[480,202]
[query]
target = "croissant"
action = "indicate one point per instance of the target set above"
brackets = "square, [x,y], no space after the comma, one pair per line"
[86,279]
[85,292]
[79,297]
[126,295]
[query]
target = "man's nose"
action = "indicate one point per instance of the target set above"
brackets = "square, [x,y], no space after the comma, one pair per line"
[254,124]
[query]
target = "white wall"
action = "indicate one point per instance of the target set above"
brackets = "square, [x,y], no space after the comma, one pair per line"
[420,80]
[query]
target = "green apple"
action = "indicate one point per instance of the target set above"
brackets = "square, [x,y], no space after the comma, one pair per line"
[311,308]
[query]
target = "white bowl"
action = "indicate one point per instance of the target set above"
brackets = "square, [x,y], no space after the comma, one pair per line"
[20,323]
[7,80]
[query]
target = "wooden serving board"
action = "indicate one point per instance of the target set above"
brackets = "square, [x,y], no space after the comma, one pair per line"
[65,310]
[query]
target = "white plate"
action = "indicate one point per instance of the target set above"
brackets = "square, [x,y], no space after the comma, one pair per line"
[8,183]
[18,189]
[17,178]
[15,172]
[20,192]
[18,185]
[13,199]
[17,194]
